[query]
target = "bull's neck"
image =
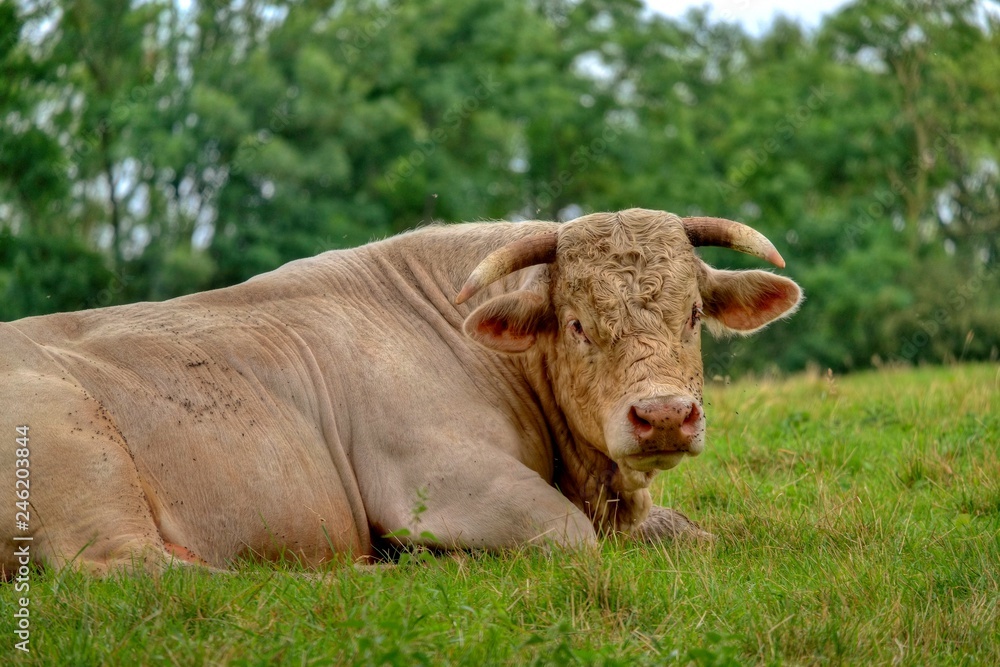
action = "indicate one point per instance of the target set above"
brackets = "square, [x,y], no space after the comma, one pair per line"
[616,499]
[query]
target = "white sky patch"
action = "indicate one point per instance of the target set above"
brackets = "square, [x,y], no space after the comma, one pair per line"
[754,15]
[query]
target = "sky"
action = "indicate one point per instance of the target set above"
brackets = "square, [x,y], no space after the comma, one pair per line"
[754,15]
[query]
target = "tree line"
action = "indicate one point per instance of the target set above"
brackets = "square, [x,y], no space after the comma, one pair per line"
[153,149]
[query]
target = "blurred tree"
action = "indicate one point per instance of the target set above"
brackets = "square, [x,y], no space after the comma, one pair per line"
[44,265]
[32,181]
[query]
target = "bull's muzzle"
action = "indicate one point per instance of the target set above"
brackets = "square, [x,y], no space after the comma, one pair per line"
[666,423]
[656,432]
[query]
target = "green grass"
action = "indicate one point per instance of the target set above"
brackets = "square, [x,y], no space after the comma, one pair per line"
[859,523]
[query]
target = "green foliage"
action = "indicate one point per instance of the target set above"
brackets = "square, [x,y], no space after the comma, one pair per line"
[40,275]
[195,147]
[858,521]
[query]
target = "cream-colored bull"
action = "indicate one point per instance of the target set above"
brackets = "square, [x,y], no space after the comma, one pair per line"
[490,385]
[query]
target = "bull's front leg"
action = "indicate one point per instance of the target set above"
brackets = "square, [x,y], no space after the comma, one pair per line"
[489,501]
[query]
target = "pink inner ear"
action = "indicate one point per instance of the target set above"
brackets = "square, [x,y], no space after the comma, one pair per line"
[774,303]
[497,333]
[750,309]
[755,315]
[507,323]
[493,327]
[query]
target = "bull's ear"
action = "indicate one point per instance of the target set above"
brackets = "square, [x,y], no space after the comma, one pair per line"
[745,301]
[508,323]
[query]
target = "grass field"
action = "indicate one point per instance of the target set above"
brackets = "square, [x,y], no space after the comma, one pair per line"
[858,522]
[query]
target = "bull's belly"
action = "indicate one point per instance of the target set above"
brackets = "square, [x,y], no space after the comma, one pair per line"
[246,491]
[270,520]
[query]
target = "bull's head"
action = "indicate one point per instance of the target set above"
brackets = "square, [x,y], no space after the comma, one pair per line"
[615,307]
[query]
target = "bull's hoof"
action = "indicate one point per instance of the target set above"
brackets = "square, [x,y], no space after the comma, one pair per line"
[664,523]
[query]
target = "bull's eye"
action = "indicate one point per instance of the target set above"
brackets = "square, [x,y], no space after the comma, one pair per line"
[577,330]
[696,315]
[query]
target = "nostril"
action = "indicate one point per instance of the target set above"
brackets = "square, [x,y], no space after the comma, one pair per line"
[690,426]
[642,426]
[693,416]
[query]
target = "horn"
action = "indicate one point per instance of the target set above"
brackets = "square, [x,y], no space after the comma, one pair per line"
[519,254]
[728,234]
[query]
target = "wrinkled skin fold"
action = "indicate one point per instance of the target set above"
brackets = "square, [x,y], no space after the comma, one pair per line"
[404,387]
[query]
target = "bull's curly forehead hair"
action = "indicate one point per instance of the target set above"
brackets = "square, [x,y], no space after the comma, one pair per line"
[634,271]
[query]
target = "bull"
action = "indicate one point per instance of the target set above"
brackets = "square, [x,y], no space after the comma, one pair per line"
[479,386]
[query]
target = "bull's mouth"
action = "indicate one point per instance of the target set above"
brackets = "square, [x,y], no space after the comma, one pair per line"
[649,461]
